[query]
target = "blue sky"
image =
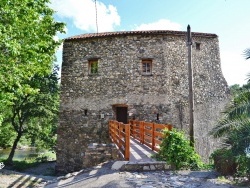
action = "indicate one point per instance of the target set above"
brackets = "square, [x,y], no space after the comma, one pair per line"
[229,19]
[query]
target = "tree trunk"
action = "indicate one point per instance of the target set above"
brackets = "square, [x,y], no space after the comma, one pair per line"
[9,161]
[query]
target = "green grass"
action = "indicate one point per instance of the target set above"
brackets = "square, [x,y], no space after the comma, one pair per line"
[21,165]
[207,166]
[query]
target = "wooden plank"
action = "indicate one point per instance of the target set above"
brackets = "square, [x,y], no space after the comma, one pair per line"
[159,134]
[148,131]
[160,126]
[158,142]
[127,142]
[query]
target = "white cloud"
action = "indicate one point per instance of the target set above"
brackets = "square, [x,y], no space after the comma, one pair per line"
[234,67]
[56,38]
[65,29]
[83,14]
[162,24]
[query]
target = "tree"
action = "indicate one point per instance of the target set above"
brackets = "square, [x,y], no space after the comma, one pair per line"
[27,45]
[28,88]
[7,135]
[34,113]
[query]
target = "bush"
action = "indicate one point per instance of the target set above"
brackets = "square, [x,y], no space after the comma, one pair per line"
[243,166]
[226,163]
[175,149]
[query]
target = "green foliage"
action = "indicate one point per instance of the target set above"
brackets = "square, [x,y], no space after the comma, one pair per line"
[234,128]
[243,167]
[235,120]
[29,89]
[34,115]
[7,135]
[236,89]
[224,161]
[45,157]
[21,165]
[175,149]
[27,45]
[227,163]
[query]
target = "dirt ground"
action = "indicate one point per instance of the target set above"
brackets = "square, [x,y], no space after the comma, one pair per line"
[29,178]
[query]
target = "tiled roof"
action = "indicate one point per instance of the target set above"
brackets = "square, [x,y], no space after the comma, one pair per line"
[126,33]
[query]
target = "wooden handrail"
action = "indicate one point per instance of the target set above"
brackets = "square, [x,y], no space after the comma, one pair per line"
[146,133]
[120,134]
[149,134]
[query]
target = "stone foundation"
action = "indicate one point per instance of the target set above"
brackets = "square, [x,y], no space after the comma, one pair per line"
[98,153]
[149,166]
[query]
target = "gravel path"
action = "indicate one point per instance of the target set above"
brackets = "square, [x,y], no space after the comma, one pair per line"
[103,176]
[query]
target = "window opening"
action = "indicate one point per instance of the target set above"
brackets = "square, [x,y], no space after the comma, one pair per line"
[198,46]
[85,112]
[146,67]
[157,116]
[93,66]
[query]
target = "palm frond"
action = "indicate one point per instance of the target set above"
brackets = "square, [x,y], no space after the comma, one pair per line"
[239,106]
[225,125]
[248,78]
[246,53]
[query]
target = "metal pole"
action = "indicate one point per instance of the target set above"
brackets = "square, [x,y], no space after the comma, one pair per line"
[190,84]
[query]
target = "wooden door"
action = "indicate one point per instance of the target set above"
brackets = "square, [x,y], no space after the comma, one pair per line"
[122,114]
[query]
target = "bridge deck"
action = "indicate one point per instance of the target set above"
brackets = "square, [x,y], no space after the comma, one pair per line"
[140,152]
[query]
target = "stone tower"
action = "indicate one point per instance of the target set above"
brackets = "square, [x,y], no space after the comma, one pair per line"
[135,74]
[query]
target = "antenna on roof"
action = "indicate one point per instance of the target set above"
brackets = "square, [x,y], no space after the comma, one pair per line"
[96,17]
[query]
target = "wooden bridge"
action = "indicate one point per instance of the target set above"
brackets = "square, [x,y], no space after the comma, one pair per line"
[137,140]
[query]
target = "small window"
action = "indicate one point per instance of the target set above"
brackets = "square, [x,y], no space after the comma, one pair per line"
[146,67]
[93,66]
[198,46]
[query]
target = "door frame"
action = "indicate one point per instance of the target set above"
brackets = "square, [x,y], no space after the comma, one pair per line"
[114,107]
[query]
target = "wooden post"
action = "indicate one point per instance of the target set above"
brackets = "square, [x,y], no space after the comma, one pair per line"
[190,84]
[153,137]
[141,132]
[127,142]
[119,135]
[110,129]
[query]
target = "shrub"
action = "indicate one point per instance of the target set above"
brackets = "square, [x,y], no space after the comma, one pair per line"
[243,166]
[224,161]
[175,149]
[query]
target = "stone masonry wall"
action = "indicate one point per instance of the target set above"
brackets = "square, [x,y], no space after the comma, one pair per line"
[86,100]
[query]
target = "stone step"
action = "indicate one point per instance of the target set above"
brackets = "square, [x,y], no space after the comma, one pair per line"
[140,166]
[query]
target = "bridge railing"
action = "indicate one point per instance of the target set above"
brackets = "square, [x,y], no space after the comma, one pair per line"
[120,134]
[147,133]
